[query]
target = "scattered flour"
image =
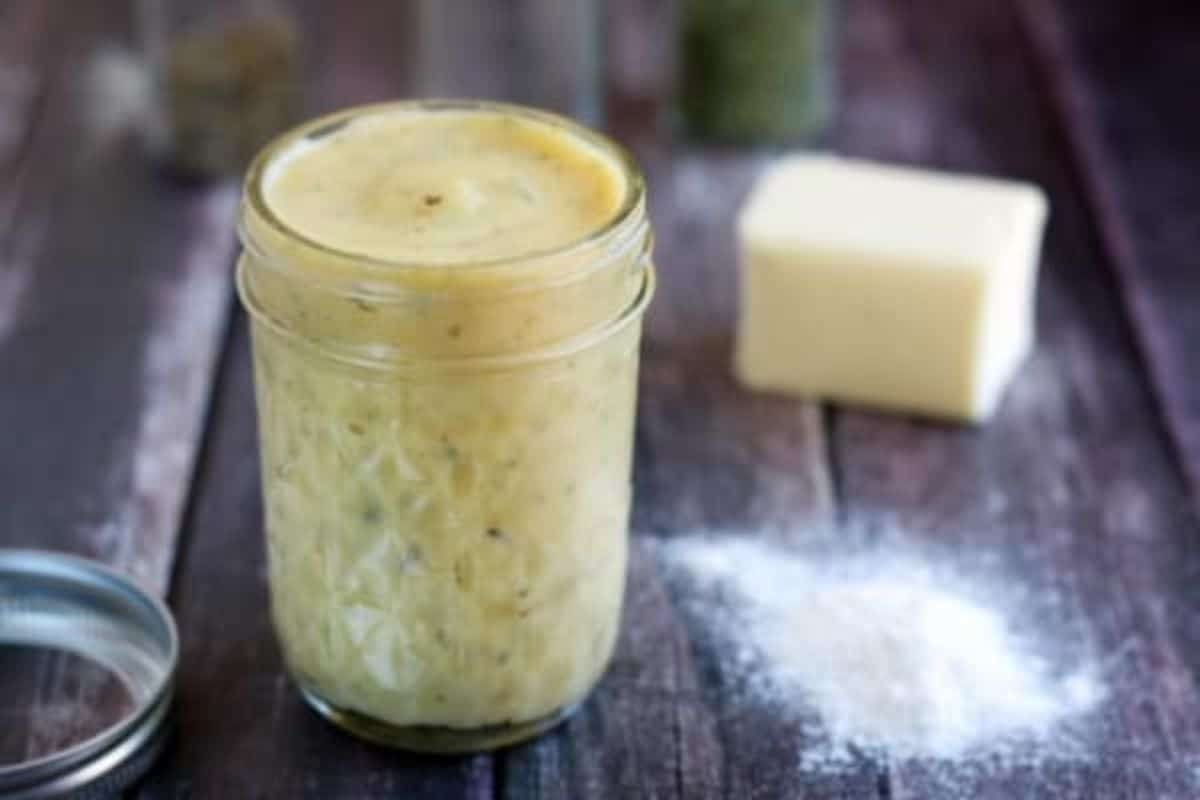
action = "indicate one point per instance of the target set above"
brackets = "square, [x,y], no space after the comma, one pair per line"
[894,658]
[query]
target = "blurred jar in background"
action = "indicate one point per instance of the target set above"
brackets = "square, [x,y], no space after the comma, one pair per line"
[226,77]
[542,53]
[756,71]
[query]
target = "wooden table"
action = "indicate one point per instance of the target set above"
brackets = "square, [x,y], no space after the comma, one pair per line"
[128,430]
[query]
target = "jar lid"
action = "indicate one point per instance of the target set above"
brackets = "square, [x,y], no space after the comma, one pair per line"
[59,602]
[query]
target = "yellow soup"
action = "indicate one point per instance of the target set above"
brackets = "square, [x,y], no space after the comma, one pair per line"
[447,304]
[450,188]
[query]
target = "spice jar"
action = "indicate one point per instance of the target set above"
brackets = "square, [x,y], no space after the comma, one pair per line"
[227,79]
[756,71]
[446,301]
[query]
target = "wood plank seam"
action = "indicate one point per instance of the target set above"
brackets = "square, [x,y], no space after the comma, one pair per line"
[18,242]
[207,434]
[64,175]
[199,301]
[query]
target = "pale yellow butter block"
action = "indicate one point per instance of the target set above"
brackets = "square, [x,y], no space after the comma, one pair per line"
[893,287]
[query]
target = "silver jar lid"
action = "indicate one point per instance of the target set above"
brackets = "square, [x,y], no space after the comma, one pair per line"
[60,602]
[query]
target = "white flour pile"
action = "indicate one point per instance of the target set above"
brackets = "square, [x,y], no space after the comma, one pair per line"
[894,659]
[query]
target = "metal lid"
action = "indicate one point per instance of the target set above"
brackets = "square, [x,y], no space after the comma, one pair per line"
[60,602]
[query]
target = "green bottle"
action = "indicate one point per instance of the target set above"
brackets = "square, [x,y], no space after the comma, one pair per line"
[756,71]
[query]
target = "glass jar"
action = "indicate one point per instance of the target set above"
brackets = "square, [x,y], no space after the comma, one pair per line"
[756,71]
[226,79]
[543,53]
[446,456]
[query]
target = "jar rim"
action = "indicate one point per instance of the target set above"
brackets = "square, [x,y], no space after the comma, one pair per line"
[254,197]
[398,362]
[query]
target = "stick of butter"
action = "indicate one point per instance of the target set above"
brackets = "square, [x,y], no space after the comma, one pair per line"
[892,287]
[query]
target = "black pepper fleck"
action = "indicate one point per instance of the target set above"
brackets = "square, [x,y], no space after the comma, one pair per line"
[496,533]
[455,331]
[433,199]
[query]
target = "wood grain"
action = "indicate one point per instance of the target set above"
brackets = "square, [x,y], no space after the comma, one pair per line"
[114,287]
[1067,502]
[113,300]
[107,366]
[29,62]
[1128,113]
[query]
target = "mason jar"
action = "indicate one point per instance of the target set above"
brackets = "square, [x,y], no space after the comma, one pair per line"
[226,78]
[446,388]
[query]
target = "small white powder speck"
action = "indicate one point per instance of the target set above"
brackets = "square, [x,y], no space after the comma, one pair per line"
[894,658]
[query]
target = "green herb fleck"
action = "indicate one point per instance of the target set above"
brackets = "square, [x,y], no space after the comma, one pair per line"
[463,574]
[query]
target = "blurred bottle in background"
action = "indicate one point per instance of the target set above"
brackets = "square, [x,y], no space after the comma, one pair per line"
[226,77]
[756,71]
[543,53]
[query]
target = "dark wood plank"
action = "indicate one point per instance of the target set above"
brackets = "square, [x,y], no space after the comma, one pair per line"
[1124,80]
[107,360]
[28,64]
[1069,493]
[114,288]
